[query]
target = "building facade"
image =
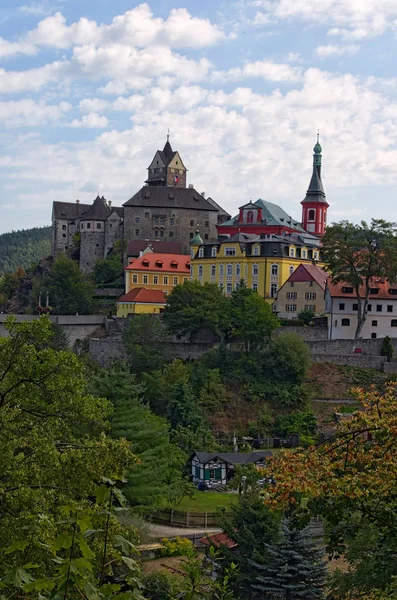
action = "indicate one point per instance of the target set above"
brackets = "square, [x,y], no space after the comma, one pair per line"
[140,301]
[303,290]
[161,272]
[341,310]
[212,467]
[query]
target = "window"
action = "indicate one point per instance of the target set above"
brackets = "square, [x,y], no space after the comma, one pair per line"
[290,307]
[201,252]
[88,225]
[355,306]
[229,270]
[304,253]
[374,291]
[237,270]
[220,285]
[200,271]
[312,215]
[175,280]
[255,270]
[156,220]
[341,306]
[171,234]
[393,291]
[379,308]
[172,221]
[292,252]
[255,287]
[155,279]
[389,308]
[156,233]
[310,295]
[221,270]
[137,219]
[165,279]
[64,227]
[369,307]
[345,322]
[213,270]
[347,290]
[273,290]
[373,335]
[145,279]
[292,295]
[213,251]
[191,222]
[393,323]
[310,283]
[185,279]
[291,269]
[161,232]
[230,251]
[135,279]
[191,235]
[374,323]
[250,216]
[206,224]
[274,269]
[228,288]
[256,251]
[206,236]
[146,215]
[191,271]
[315,256]
[310,307]
[64,235]
[137,232]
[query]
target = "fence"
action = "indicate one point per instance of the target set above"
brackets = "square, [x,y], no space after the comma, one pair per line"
[178,518]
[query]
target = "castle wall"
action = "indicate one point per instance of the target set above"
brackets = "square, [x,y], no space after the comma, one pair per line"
[92,248]
[114,232]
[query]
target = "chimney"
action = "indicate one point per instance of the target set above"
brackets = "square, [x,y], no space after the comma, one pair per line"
[109,203]
[203,194]
[77,201]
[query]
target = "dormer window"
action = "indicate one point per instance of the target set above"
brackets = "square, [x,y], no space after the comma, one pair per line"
[174,264]
[201,252]
[347,290]
[159,263]
[145,262]
[213,251]
[250,216]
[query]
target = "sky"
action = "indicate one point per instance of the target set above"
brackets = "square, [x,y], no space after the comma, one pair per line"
[89,89]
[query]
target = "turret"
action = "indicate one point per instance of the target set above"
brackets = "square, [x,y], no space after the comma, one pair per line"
[315,205]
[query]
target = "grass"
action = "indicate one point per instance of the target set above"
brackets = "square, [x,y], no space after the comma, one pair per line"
[206,501]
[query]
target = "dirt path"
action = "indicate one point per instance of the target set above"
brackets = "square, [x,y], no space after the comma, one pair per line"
[166,531]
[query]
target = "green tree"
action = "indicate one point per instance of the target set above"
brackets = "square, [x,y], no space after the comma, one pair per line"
[306,316]
[108,269]
[70,291]
[192,307]
[54,447]
[387,348]
[252,319]
[293,568]
[145,340]
[357,254]
[288,359]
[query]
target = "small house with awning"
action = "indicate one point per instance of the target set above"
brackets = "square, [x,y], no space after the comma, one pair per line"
[218,467]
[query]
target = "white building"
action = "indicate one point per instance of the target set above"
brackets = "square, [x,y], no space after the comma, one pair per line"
[341,310]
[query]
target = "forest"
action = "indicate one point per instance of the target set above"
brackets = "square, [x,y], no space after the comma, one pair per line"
[24,247]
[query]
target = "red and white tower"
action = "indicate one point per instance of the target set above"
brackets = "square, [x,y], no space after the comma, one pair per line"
[315,205]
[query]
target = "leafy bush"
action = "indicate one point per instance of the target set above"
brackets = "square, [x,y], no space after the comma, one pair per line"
[160,585]
[277,393]
[176,547]
[387,348]
[307,316]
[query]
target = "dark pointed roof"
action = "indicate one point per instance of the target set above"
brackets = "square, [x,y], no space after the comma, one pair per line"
[315,191]
[170,197]
[99,211]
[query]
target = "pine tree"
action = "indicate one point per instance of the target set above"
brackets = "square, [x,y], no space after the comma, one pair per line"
[293,568]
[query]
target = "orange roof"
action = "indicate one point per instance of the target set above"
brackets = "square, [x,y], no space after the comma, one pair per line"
[309,272]
[154,261]
[143,296]
[219,539]
[346,290]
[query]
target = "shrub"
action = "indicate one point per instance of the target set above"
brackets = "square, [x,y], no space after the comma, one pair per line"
[160,585]
[176,547]
[387,348]
[306,316]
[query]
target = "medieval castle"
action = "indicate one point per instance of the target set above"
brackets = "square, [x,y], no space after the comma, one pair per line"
[163,210]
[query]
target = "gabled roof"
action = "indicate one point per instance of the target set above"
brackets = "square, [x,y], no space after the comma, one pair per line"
[69,210]
[134,248]
[220,210]
[338,290]
[309,272]
[99,211]
[159,196]
[147,262]
[315,191]
[144,296]
[233,458]
[272,215]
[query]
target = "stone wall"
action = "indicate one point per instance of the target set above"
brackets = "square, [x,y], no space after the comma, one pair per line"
[92,248]
[371,347]
[353,360]
[306,333]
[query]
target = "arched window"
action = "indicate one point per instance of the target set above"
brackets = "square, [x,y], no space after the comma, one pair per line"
[213,270]
[213,251]
[312,214]
[250,216]
[274,269]
[256,251]
[201,252]
[156,233]
[200,271]
[221,270]
[229,270]
[291,269]
[255,270]
[237,270]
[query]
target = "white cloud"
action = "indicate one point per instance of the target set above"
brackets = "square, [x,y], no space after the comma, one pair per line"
[8,49]
[92,121]
[351,19]
[12,82]
[265,69]
[18,113]
[337,50]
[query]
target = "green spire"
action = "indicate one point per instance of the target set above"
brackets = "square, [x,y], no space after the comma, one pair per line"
[197,240]
[317,152]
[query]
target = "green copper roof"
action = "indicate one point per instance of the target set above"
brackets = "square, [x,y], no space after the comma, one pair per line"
[273,214]
[317,148]
[197,240]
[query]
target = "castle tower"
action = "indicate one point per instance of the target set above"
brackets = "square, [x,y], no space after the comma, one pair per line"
[167,168]
[92,232]
[315,205]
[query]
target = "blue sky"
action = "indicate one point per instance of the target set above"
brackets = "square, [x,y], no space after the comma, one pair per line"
[89,88]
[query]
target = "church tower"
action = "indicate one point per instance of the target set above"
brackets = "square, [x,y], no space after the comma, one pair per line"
[167,168]
[315,205]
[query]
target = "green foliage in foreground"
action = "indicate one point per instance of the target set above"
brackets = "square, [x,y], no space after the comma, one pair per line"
[24,247]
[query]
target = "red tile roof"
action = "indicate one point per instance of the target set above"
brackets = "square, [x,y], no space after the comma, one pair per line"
[175,263]
[219,539]
[309,272]
[338,290]
[143,295]
[134,248]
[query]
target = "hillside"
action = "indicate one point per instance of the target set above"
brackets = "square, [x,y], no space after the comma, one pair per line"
[22,248]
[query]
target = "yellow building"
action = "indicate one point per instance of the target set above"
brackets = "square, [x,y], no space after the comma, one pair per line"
[264,262]
[141,301]
[155,271]
[304,290]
